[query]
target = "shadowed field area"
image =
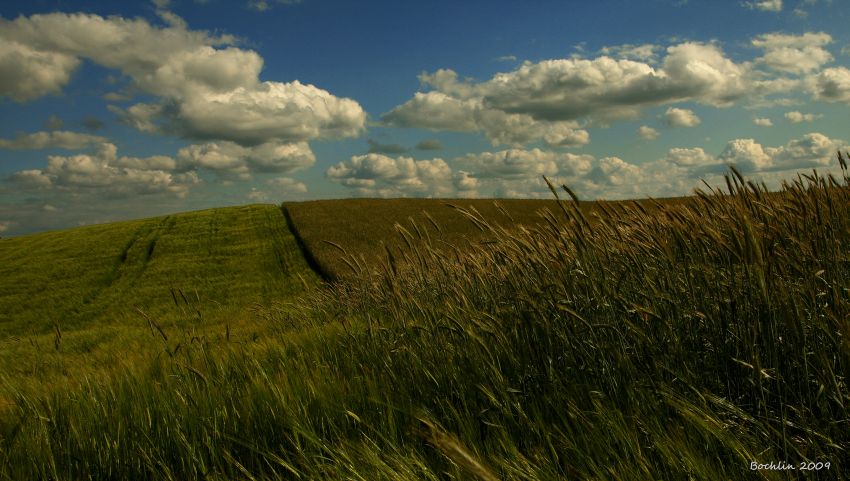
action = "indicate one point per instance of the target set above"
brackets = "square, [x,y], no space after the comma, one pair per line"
[363,226]
[334,231]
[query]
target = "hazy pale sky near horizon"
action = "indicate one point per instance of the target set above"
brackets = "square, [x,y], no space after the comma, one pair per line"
[113,110]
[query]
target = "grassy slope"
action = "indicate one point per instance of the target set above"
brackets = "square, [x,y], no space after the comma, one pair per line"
[91,281]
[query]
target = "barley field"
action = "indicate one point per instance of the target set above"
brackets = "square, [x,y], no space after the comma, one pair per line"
[688,340]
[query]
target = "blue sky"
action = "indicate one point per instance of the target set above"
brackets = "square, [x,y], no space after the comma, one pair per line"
[112,111]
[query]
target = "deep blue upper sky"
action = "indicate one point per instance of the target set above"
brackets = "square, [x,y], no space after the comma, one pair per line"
[112,111]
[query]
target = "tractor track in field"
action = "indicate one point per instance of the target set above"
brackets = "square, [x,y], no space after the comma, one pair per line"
[312,262]
[126,270]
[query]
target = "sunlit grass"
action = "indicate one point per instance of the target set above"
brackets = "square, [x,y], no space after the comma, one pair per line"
[77,300]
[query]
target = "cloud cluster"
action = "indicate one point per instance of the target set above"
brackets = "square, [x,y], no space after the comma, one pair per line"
[519,172]
[512,163]
[689,157]
[107,174]
[233,161]
[505,173]
[383,176]
[53,139]
[208,88]
[547,100]
[813,150]
[554,101]
[683,169]
[513,173]
[763,122]
[798,117]
[794,53]
[439,111]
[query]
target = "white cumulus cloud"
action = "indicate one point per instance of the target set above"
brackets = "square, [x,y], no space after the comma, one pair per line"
[208,89]
[676,117]
[536,99]
[104,173]
[231,160]
[689,157]
[746,154]
[466,184]
[763,122]
[794,53]
[811,151]
[647,132]
[797,117]
[615,171]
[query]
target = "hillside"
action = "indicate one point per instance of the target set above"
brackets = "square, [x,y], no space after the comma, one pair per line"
[681,339]
[213,263]
[687,343]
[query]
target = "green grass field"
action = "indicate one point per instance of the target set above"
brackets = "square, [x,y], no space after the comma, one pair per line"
[218,261]
[680,340]
[89,292]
